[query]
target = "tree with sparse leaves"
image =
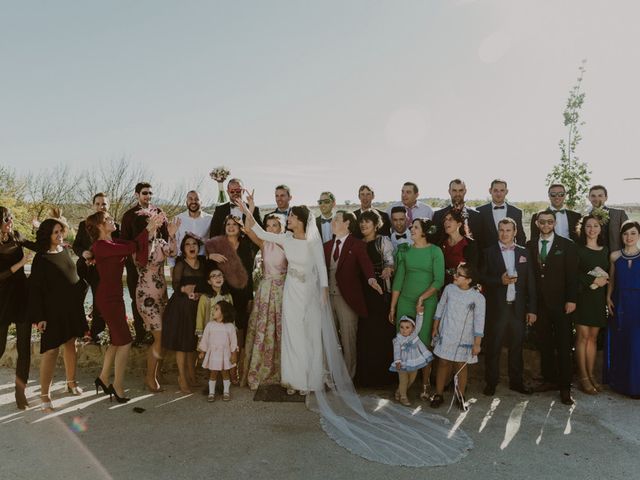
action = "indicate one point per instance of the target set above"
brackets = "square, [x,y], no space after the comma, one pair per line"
[570,171]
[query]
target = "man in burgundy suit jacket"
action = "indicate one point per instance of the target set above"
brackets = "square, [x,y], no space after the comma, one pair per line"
[347,265]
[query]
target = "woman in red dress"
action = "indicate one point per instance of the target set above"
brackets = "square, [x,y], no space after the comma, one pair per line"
[110,255]
[457,246]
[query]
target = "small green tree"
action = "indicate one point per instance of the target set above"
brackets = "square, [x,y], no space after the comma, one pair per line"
[570,171]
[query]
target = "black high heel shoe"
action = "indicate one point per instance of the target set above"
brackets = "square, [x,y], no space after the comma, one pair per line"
[112,391]
[100,384]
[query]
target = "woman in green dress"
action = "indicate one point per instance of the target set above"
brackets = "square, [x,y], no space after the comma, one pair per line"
[419,276]
[591,307]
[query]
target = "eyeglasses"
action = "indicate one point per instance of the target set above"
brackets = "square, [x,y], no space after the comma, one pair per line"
[324,201]
[147,192]
[7,219]
[460,275]
[216,275]
[546,222]
[557,194]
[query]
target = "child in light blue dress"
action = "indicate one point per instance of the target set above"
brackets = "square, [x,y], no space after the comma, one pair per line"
[409,354]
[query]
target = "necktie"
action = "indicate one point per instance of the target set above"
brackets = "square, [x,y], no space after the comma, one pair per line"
[543,251]
[336,252]
[504,248]
[409,215]
[501,207]
[398,237]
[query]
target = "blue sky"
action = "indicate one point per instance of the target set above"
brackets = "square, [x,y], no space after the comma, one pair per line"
[322,95]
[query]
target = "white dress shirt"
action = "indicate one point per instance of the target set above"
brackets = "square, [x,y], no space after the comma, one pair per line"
[562,223]
[498,213]
[198,226]
[327,234]
[509,257]
[395,241]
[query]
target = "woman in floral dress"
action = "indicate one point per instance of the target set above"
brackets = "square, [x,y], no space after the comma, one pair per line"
[151,297]
[264,331]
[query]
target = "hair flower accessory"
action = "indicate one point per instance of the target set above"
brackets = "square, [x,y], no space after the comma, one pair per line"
[601,214]
[432,230]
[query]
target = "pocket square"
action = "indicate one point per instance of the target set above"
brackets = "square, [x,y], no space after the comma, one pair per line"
[522,260]
[558,252]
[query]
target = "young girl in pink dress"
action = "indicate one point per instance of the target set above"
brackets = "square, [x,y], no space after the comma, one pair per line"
[218,348]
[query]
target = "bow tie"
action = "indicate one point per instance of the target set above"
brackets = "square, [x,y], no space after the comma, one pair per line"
[398,237]
[511,247]
[282,212]
[562,210]
[325,220]
[501,207]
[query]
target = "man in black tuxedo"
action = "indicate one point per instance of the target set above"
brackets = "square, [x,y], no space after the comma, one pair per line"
[494,211]
[566,220]
[366,196]
[598,196]
[234,190]
[326,203]
[283,203]
[82,248]
[509,280]
[457,192]
[555,262]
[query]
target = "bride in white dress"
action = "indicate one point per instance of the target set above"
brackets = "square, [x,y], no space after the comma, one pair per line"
[311,358]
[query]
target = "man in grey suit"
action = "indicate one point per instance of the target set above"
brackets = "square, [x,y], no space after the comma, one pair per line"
[598,196]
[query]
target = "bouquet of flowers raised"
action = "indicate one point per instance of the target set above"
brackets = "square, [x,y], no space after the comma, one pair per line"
[598,273]
[219,175]
[601,214]
[150,211]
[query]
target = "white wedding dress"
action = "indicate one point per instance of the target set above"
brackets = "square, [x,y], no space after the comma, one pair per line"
[374,428]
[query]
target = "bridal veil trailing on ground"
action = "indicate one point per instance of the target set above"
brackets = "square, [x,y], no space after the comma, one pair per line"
[374,428]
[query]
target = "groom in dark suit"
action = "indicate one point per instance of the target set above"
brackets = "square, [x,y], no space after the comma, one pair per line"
[366,196]
[508,277]
[348,266]
[494,211]
[234,190]
[283,203]
[566,220]
[555,262]
[457,192]
[598,196]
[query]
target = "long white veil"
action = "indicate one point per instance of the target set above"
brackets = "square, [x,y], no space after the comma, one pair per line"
[371,427]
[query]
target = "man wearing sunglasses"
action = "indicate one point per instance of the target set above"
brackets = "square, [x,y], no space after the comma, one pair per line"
[566,220]
[234,191]
[555,264]
[326,203]
[132,224]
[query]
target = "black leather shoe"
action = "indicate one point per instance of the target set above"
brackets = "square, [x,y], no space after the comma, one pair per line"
[489,390]
[565,397]
[521,388]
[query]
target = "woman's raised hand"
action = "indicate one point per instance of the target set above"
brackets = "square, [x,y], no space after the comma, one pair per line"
[218,258]
[250,201]
[173,226]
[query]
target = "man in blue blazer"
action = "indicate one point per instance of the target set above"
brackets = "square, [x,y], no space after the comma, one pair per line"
[508,278]
[491,213]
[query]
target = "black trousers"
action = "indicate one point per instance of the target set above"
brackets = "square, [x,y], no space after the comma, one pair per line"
[90,274]
[504,322]
[132,284]
[23,344]
[554,337]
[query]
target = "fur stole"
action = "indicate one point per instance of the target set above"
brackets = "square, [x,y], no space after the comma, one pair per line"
[234,273]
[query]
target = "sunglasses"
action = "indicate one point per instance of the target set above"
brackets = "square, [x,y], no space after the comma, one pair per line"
[235,190]
[7,219]
[546,222]
[557,194]
[146,193]
[326,201]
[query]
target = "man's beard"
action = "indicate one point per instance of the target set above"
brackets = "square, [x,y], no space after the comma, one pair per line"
[193,207]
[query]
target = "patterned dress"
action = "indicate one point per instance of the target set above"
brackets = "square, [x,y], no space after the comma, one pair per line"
[262,353]
[461,314]
[410,351]
[151,292]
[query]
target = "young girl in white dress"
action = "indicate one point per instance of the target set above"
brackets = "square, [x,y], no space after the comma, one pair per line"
[409,354]
[458,327]
[219,348]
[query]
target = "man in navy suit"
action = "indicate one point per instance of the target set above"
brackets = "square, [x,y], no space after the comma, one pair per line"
[234,190]
[555,262]
[508,277]
[494,211]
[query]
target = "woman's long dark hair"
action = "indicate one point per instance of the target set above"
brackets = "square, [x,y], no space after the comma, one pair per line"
[582,235]
[184,241]
[43,235]
[92,223]
[5,212]
[302,213]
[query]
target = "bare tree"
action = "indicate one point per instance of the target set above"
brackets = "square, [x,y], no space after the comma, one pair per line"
[172,199]
[51,188]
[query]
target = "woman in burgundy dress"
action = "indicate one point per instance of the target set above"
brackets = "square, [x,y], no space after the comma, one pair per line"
[457,246]
[110,255]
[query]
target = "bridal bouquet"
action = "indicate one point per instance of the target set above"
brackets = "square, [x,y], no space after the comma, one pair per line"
[601,214]
[598,273]
[220,174]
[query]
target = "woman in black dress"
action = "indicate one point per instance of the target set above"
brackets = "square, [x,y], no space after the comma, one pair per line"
[56,306]
[375,333]
[189,281]
[13,299]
